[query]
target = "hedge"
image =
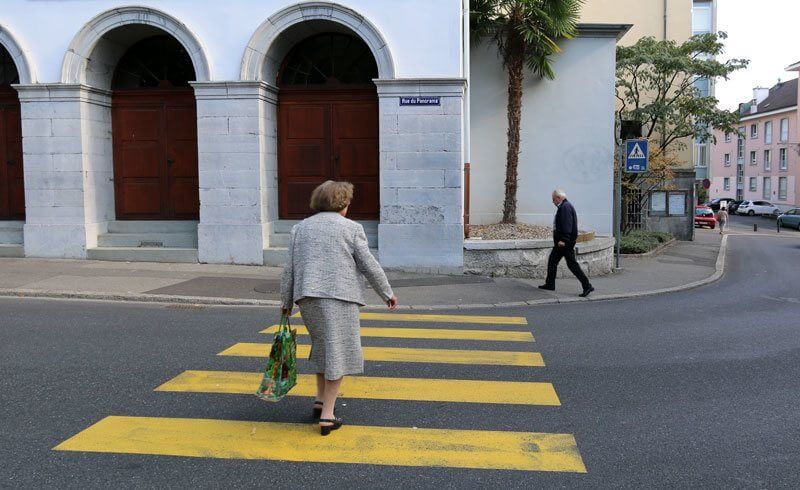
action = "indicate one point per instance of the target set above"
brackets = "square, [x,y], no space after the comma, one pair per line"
[639,242]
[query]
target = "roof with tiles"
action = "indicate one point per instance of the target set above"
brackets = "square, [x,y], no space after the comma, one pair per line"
[781,96]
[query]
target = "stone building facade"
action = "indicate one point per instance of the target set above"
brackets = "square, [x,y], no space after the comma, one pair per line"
[189,130]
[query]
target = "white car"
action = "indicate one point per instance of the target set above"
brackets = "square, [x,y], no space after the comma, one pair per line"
[752,208]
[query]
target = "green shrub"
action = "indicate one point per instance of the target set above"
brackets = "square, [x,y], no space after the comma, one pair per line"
[639,242]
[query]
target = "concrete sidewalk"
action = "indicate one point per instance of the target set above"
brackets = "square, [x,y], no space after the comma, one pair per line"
[679,266]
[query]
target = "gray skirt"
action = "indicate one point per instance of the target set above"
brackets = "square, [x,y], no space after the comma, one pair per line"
[334,328]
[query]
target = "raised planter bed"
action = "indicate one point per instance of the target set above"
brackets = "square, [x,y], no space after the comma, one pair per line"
[528,258]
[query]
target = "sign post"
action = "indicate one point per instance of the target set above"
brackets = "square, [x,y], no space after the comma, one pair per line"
[618,203]
[634,157]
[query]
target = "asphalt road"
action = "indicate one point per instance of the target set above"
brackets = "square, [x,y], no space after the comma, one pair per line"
[689,390]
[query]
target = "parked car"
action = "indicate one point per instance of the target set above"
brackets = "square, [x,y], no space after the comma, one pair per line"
[733,205]
[704,216]
[714,204]
[763,208]
[790,219]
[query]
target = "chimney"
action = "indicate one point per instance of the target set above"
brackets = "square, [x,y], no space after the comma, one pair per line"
[759,94]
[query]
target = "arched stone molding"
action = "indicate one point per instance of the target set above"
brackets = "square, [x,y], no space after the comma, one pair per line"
[265,52]
[79,53]
[25,70]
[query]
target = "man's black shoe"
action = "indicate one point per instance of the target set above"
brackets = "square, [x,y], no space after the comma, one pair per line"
[549,288]
[586,292]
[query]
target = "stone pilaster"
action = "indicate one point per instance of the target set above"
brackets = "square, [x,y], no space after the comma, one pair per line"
[421,173]
[67,147]
[236,156]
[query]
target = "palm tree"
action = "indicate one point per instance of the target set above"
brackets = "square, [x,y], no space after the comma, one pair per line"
[526,33]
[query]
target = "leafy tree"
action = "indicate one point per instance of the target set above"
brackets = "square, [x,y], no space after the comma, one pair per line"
[526,33]
[656,89]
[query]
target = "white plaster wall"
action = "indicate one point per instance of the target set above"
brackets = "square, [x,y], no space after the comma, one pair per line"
[566,140]
[46,27]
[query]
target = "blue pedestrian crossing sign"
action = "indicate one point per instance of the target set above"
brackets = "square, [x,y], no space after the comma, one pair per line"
[637,154]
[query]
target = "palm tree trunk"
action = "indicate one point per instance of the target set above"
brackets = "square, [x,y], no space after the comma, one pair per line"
[515,64]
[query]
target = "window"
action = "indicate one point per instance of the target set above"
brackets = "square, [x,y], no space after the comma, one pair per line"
[753,184]
[783,163]
[740,145]
[767,188]
[330,58]
[702,17]
[726,184]
[154,62]
[754,131]
[8,69]
[752,158]
[701,155]
[727,159]
[768,132]
[782,181]
[703,86]
[784,130]
[767,160]
[727,137]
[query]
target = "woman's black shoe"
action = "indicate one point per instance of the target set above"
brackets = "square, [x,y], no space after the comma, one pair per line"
[326,429]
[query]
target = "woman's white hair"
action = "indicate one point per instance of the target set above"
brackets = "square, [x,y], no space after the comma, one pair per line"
[560,193]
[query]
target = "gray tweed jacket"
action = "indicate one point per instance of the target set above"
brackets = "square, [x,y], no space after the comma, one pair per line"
[327,255]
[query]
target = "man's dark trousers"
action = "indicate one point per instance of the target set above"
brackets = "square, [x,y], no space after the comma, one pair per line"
[567,252]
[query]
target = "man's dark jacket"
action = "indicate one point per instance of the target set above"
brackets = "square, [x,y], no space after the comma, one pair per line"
[566,229]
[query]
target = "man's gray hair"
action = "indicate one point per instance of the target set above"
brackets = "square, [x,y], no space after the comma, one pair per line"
[560,193]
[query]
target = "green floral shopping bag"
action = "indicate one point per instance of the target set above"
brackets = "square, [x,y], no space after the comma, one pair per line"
[281,373]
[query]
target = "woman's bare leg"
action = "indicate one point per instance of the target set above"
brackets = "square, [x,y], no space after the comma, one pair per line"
[320,387]
[329,398]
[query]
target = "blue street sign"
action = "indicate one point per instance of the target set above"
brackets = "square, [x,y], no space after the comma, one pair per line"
[420,101]
[637,154]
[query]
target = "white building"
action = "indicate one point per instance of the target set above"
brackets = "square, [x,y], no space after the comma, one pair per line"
[194,130]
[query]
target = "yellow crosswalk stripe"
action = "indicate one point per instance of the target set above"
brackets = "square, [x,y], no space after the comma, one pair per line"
[431,333]
[377,388]
[395,446]
[403,354]
[413,317]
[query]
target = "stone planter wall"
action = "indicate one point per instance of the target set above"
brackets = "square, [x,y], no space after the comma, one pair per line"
[528,258]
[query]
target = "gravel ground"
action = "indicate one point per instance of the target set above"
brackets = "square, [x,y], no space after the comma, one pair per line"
[504,231]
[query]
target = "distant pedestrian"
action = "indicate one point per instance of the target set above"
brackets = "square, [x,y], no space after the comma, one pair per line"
[722,219]
[565,235]
[328,253]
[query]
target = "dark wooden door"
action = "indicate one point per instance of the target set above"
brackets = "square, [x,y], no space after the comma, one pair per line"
[12,185]
[328,134]
[155,154]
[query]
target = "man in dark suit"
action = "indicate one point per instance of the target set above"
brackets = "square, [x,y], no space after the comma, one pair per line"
[565,234]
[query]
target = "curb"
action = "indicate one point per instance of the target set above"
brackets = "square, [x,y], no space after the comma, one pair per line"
[204,300]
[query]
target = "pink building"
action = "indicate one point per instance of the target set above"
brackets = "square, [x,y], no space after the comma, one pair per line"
[762,162]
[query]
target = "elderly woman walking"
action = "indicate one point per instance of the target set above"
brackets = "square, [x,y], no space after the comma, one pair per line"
[722,218]
[328,253]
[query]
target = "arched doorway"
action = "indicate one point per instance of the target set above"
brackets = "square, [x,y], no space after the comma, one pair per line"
[12,187]
[154,123]
[328,123]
